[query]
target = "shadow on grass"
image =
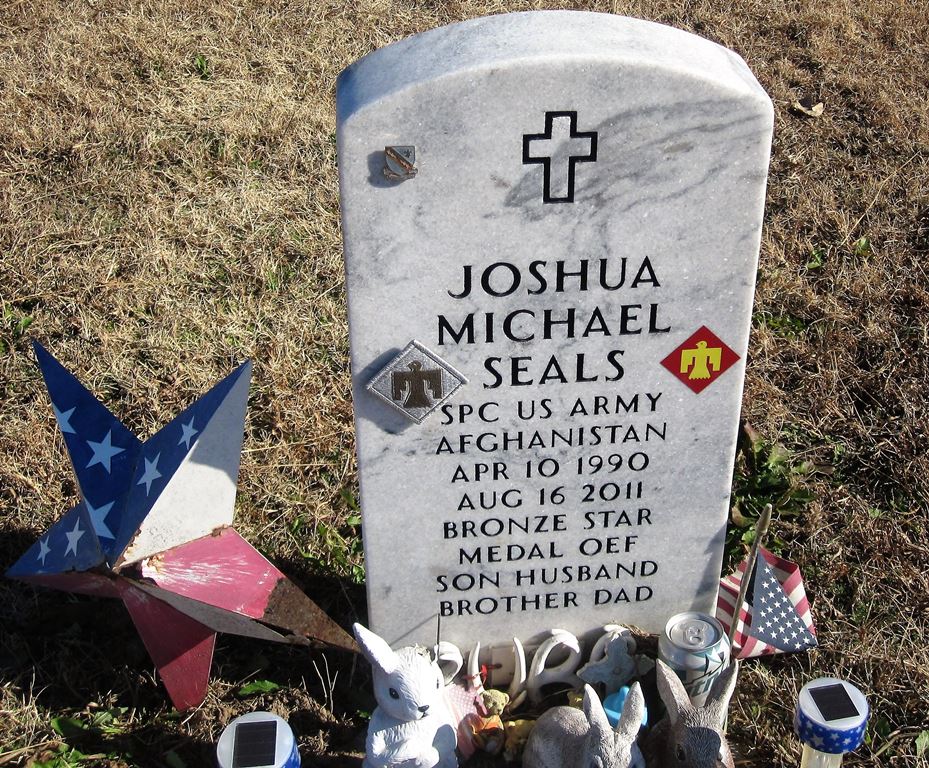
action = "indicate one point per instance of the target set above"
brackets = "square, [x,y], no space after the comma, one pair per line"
[78,666]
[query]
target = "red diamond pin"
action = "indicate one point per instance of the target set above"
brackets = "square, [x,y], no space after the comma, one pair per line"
[700,360]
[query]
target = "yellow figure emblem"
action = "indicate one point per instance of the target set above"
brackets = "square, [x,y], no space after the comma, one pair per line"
[700,360]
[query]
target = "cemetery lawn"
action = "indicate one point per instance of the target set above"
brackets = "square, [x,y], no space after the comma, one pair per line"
[169,207]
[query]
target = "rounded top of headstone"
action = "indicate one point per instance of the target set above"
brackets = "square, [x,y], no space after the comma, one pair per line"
[497,41]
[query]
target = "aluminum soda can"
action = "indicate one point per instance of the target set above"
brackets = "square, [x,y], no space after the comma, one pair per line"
[696,647]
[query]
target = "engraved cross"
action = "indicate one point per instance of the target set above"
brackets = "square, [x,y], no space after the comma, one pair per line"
[558,151]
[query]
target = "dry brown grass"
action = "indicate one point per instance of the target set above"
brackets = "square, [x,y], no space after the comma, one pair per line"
[161,220]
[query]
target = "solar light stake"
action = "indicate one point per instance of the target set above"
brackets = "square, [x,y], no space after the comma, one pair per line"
[813,758]
[830,720]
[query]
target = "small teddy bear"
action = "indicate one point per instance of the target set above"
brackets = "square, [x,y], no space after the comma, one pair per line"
[487,729]
[517,734]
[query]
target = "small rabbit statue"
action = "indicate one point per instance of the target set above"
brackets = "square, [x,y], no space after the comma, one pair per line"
[411,726]
[689,736]
[565,737]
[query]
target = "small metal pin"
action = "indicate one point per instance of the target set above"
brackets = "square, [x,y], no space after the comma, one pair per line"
[400,163]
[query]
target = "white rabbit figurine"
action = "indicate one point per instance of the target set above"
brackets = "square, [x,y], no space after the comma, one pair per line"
[689,736]
[565,737]
[410,727]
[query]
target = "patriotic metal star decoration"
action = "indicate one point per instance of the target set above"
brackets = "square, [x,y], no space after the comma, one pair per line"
[153,529]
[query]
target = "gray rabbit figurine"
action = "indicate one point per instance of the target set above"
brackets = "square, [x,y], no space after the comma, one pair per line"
[565,737]
[689,736]
[411,726]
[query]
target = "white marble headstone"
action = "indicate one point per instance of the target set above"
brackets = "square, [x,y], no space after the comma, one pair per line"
[569,229]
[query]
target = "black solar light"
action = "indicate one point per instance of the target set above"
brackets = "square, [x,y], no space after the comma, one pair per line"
[830,720]
[257,740]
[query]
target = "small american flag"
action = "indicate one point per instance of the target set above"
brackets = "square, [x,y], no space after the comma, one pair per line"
[775,617]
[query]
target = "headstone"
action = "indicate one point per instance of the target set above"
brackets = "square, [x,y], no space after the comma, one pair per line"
[551,223]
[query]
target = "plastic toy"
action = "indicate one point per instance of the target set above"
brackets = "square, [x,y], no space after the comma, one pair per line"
[565,737]
[487,729]
[517,734]
[689,736]
[411,726]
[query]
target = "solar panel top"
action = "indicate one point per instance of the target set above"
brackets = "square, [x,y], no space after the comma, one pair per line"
[255,744]
[833,702]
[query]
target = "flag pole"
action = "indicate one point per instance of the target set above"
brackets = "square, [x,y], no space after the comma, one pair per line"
[761,531]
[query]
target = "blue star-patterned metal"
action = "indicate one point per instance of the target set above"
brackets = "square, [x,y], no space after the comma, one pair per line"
[120,477]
